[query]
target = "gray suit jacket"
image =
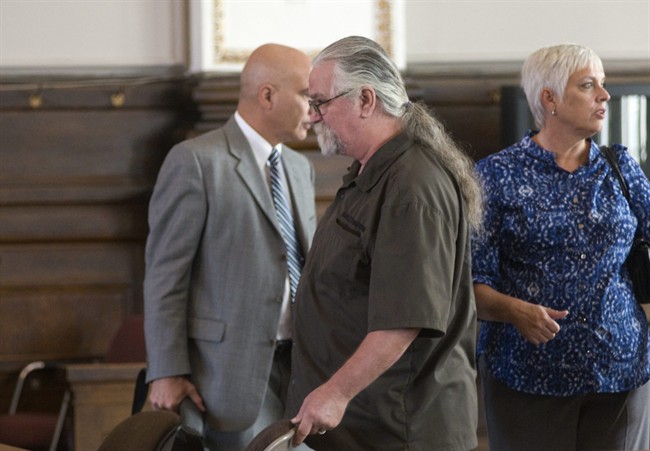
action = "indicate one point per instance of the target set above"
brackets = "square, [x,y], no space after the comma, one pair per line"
[215,270]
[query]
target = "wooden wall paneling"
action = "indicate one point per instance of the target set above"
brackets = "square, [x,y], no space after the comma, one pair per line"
[468,105]
[76,173]
[79,327]
[93,151]
[91,222]
[65,300]
[216,97]
[477,129]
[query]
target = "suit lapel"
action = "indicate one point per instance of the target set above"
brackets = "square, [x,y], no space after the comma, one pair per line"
[249,171]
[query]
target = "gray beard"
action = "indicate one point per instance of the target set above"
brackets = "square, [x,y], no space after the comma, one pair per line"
[329,143]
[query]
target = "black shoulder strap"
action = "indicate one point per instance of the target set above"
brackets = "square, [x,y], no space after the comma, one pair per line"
[609,154]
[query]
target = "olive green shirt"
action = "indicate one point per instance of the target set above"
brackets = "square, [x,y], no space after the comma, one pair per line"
[392,252]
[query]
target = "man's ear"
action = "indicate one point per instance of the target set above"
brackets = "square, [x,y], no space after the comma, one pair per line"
[265,96]
[368,99]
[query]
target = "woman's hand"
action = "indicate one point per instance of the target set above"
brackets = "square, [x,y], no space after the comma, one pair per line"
[537,323]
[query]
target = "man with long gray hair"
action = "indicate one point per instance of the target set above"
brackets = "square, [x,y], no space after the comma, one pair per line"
[384,319]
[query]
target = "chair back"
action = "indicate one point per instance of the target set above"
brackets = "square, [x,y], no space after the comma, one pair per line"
[128,344]
[144,431]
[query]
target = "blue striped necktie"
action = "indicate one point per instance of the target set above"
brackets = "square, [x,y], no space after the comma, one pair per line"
[283,214]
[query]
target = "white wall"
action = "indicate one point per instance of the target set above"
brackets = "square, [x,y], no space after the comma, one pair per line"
[485,30]
[72,34]
[92,33]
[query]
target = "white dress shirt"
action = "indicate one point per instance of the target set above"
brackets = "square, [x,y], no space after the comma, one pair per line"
[262,150]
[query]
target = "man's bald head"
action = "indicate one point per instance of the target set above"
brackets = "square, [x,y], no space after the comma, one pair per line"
[272,64]
[273,96]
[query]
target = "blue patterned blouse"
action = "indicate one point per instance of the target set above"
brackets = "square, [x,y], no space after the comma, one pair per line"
[560,239]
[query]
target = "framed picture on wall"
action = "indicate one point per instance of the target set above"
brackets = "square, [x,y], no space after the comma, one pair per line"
[225,32]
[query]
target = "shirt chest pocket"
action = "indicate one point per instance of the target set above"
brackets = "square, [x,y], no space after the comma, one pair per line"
[342,255]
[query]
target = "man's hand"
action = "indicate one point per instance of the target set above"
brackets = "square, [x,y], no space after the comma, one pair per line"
[321,411]
[168,392]
[324,407]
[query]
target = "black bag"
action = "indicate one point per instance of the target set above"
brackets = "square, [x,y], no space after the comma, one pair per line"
[638,260]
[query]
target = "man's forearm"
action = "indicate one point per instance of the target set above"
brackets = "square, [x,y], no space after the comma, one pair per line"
[376,353]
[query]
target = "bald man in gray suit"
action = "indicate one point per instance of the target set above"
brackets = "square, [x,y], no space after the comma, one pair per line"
[217,292]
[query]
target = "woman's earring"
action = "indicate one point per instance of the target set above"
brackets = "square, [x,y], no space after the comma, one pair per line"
[553,113]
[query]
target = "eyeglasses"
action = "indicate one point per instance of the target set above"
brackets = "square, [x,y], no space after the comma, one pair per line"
[316,105]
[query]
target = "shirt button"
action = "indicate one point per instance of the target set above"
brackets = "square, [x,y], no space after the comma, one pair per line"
[583,256]
[581,226]
[575,199]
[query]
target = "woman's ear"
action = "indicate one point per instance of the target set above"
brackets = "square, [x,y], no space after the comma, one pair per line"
[548,100]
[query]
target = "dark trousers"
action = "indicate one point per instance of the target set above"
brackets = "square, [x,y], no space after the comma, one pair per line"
[272,407]
[594,422]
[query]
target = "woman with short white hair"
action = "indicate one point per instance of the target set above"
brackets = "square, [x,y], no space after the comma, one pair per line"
[563,348]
